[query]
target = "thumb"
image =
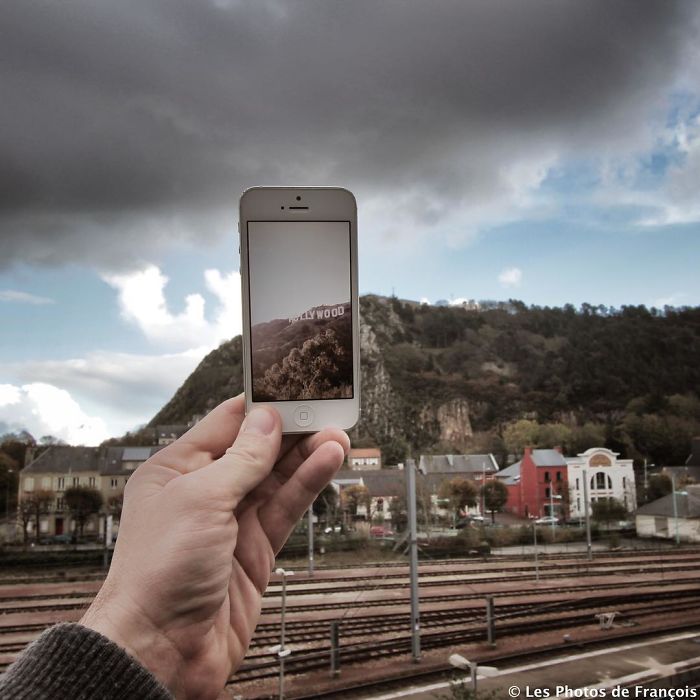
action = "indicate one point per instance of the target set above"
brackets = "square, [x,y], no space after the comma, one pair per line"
[251,457]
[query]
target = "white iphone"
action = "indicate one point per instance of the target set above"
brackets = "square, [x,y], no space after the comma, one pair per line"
[301,349]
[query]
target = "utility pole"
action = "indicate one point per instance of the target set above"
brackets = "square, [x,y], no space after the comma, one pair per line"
[587,513]
[413,549]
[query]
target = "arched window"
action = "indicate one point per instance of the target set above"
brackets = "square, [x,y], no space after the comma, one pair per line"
[601,481]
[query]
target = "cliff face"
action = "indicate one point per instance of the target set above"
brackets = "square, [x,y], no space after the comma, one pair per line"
[432,377]
[392,411]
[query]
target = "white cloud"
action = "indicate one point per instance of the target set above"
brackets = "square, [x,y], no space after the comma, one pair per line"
[142,302]
[44,409]
[126,390]
[13,295]
[511,277]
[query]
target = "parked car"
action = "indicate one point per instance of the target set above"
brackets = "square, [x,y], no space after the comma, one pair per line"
[380,531]
[547,520]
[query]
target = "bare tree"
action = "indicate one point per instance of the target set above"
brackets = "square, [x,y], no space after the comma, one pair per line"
[33,505]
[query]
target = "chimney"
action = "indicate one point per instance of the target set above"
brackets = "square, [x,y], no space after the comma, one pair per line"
[528,452]
[558,449]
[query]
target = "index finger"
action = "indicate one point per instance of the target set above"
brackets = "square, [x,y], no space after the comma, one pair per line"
[209,439]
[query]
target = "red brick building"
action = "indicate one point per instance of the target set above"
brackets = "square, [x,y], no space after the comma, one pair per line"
[537,484]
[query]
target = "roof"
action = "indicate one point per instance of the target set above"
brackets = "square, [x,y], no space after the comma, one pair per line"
[385,482]
[136,454]
[364,452]
[512,470]
[687,505]
[347,477]
[65,459]
[548,458]
[457,464]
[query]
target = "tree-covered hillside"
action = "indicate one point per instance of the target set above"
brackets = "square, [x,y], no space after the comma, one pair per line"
[447,378]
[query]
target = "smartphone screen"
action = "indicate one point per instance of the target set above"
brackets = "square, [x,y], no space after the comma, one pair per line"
[299,277]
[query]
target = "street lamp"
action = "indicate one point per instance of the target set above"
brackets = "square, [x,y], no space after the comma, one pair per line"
[458,661]
[279,649]
[552,496]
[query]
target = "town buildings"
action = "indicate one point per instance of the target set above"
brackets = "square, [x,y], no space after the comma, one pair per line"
[544,482]
[384,485]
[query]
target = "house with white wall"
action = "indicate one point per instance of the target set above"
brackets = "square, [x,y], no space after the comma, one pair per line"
[606,477]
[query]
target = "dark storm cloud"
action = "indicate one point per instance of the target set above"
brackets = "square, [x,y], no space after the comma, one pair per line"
[125,124]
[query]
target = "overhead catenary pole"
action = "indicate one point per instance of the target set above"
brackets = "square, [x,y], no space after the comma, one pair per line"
[537,564]
[413,552]
[675,510]
[586,510]
[311,540]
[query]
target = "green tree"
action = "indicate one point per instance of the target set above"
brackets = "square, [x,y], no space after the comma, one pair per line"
[460,494]
[553,435]
[586,436]
[607,510]
[82,502]
[395,450]
[9,469]
[519,435]
[399,513]
[321,368]
[326,504]
[115,505]
[495,494]
[352,497]
[659,486]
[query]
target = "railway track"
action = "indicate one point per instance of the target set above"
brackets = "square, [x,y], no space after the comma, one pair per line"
[374,611]
[465,631]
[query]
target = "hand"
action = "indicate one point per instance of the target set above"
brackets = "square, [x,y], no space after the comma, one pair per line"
[202,522]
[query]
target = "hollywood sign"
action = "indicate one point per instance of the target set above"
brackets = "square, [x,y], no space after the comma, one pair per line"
[319,314]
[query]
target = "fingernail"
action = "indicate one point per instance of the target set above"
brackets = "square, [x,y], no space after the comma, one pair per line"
[259,421]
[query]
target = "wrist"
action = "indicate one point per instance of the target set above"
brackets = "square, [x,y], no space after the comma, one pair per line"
[141,640]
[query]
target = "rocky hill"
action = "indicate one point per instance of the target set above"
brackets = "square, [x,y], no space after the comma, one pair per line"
[448,378]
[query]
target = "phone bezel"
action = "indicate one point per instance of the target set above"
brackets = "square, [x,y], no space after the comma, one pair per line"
[324,204]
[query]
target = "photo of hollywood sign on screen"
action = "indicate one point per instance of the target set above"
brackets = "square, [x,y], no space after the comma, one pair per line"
[304,358]
[301,340]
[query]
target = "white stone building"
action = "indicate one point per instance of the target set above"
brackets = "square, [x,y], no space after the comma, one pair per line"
[607,477]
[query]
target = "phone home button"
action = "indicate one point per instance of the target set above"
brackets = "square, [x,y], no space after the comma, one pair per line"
[303,416]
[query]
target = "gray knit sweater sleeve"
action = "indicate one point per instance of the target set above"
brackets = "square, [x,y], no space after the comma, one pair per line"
[72,662]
